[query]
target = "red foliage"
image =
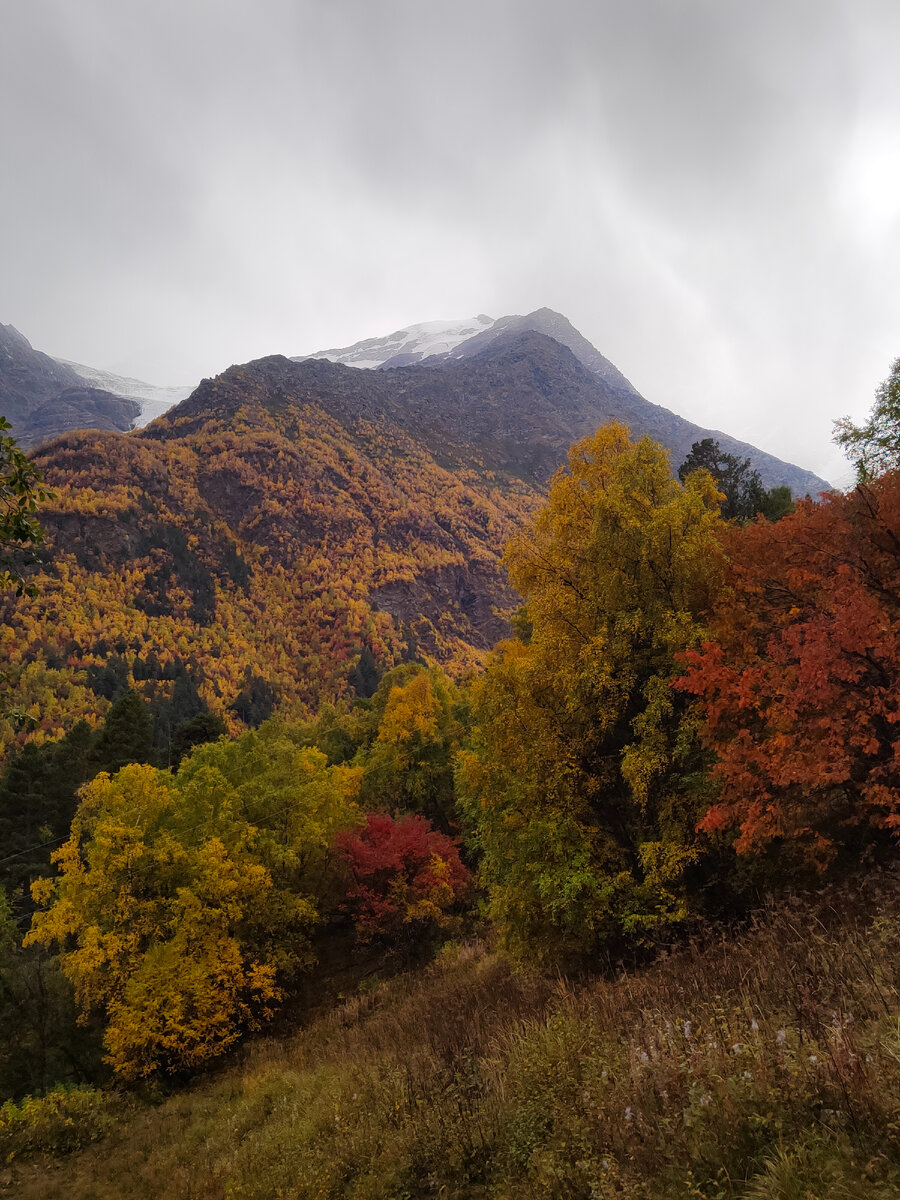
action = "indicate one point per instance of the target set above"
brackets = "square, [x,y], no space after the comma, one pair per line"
[402,872]
[800,682]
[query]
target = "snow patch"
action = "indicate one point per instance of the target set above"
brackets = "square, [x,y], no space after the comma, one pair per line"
[414,343]
[153,399]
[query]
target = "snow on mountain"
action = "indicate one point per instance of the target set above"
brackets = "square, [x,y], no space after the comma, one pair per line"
[405,346]
[445,341]
[462,339]
[153,399]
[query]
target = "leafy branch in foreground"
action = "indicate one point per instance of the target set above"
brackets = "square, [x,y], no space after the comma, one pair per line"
[21,489]
[874,446]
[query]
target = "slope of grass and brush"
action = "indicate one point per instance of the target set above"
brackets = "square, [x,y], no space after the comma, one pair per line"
[763,1064]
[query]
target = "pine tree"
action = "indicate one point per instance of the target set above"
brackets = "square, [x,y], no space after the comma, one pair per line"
[365,675]
[127,736]
[38,797]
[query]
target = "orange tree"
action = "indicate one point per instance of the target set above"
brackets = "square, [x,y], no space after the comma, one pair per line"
[581,790]
[800,682]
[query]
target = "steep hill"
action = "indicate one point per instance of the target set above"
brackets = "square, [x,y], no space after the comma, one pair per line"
[756,1066]
[262,533]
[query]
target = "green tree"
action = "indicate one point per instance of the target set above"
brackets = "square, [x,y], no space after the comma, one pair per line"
[777,503]
[404,738]
[205,727]
[127,735]
[43,1043]
[874,446]
[741,486]
[255,702]
[21,489]
[37,802]
[365,674]
[408,766]
[182,721]
[581,788]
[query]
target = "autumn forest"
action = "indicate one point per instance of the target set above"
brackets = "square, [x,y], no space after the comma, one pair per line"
[449,794]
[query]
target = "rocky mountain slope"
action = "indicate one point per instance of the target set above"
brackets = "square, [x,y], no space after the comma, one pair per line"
[43,397]
[264,533]
[444,341]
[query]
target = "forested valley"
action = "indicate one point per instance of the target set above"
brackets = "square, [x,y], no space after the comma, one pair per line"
[384,813]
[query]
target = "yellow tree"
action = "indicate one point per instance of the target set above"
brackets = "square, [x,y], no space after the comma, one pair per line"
[184,904]
[580,790]
[409,765]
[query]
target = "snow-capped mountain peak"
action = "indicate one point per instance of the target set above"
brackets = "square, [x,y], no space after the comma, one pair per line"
[406,346]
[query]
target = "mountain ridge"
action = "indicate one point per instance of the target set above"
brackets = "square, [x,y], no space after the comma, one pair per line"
[44,397]
[287,516]
[675,432]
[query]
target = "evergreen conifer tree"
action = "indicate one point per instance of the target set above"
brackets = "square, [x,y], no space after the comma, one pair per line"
[127,736]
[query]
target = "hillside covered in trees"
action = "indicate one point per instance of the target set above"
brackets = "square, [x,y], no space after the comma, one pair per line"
[287,521]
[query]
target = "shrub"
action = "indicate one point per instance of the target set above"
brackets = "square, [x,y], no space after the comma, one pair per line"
[66,1119]
[405,877]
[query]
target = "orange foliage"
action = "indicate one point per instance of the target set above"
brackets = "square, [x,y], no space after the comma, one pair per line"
[800,684]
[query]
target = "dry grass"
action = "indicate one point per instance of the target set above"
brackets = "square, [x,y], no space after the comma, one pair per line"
[764,1065]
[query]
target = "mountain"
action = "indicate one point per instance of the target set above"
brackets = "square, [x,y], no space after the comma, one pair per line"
[405,346]
[152,398]
[446,341]
[287,516]
[43,397]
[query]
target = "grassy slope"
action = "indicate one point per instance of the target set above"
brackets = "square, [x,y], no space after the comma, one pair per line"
[763,1066]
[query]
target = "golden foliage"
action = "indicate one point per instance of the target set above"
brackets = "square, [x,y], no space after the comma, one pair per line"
[183,901]
[246,539]
[577,788]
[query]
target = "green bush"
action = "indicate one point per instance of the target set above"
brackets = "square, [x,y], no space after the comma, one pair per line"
[66,1119]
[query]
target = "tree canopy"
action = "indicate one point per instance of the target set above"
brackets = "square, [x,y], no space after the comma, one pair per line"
[579,790]
[185,902]
[21,489]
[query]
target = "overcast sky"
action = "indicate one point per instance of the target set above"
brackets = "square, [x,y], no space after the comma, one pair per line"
[708,189]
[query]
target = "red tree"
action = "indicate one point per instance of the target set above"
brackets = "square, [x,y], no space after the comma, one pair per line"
[404,876]
[800,682]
